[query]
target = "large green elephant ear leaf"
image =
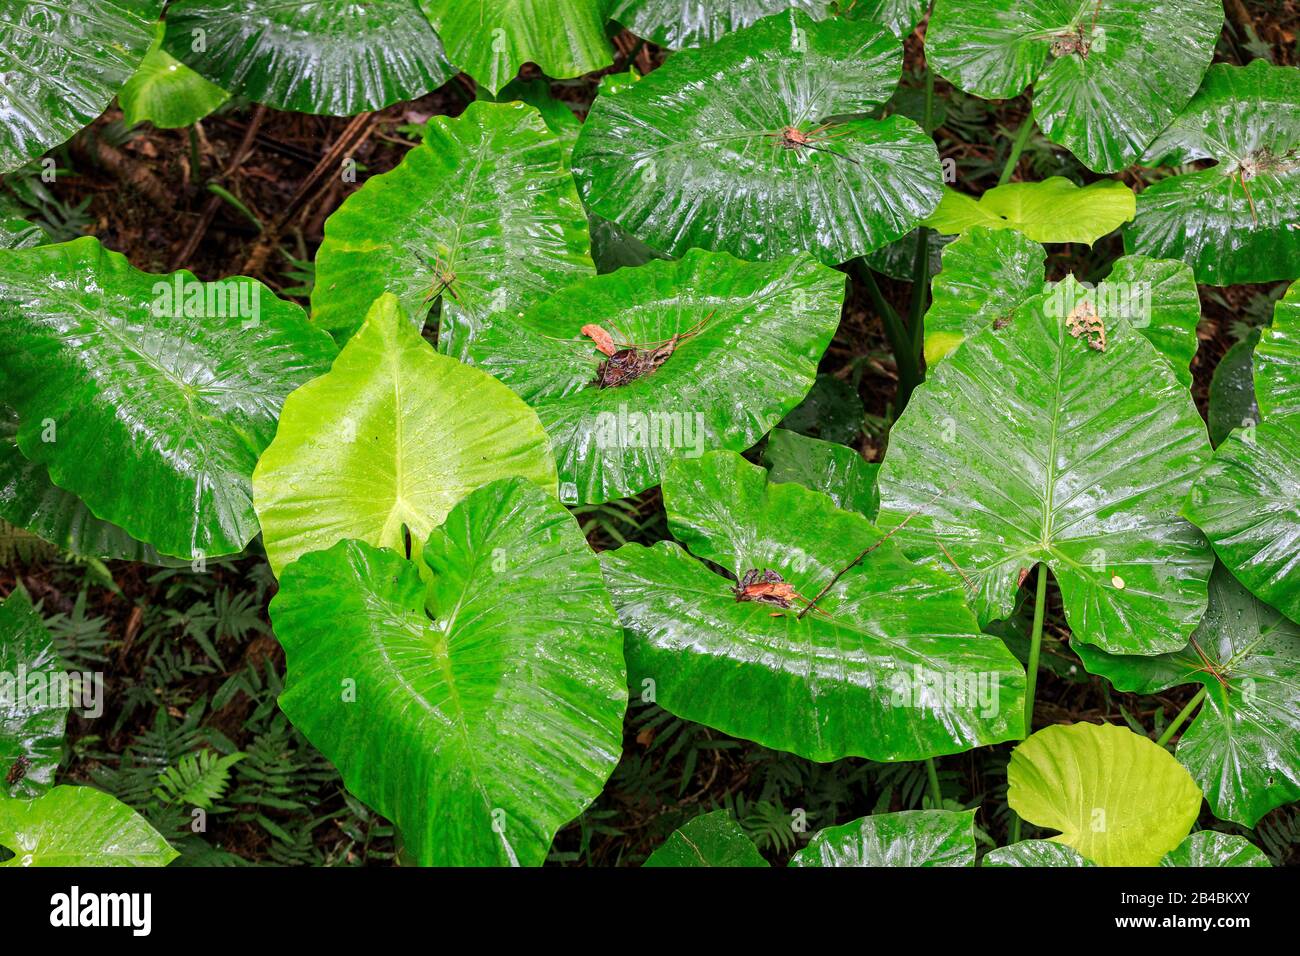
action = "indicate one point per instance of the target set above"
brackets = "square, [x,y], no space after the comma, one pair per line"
[1277,358]
[482,215]
[1035,853]
[1117,798]
[1245,502]
[381,447]
[1107,76]
[889,665]
[1055,210]
[333,57]
[909,838]
[1030,444]
[744,341]
[1211,848]
[754,146]
[711,839]
[62,61]
[491,39]
[166,92]
[1235,221]
[79,826]
[1243,748]
[31,723]
[149,397]
[481,712]
[676,24]
[835,470]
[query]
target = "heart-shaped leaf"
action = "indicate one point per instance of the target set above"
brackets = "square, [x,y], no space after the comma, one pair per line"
[149,397]
[483,215]
[32,712]
[1035,853]
[1277,358]
[837,471]
[334,57]
[382,446]
[481,712]
[62,62]
[711,839]
[707,352]
[1116,797]
[79,826]
[1234,222]
[1055,210]
[1107,77]
[1029,444]
[1232,391]
[675,24]
[1245,502]
[166,92]
[491,39]
[1211,848]
[987,275]
[909,838]
[1243,748]
[890,664]
[733,147]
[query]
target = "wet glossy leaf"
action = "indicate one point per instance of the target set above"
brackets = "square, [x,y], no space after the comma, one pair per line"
[1210,848]
[334,57]
[1107,77]
[1232,391]
[487,707]
[711,839]
[1027,445]
[482,215]
[837,471]
[890,666]
[491,39]
[62,62]
[79,826]
[387,442]
[31,723]
[723,147]
[1277,358]
[1235,221]
[901,16]
[753,334]
[1116,797]
[675,24]
[909,838]
[1035,853]
[148,397]
[166,92]
[1055,210]
[1243,747]
[1245,502]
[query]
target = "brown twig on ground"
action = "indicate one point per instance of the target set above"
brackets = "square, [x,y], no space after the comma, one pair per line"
[92,149]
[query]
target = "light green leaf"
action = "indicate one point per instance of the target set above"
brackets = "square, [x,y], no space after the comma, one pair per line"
[1210,848]
[334,57]
[482,215]
[79,826]
[711,839]
[385,443]
[62,61]
[148,397]
[1116,797]
[1055,210]
[835,470]
[491,39]
[708,150]
[1107,77]
[166,92]
[486,708]
[1027,445]
[1277,358]
[754,334]
[1236,221]
[31,723]
[890,665]
[1245,502]
[909,838]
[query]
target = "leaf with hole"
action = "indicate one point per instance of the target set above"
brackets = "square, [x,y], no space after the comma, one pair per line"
[1055,210]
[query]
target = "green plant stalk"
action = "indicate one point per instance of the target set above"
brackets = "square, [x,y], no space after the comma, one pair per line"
[1017,147]
[1182,717]
[1035,648]
[920,297]
[900,342]
[935,793]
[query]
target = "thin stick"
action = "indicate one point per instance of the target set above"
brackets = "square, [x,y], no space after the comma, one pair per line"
[1181,718]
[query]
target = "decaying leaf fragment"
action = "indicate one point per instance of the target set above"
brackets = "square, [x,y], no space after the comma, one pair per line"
[1084,322]
[627,363]
[767,587]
